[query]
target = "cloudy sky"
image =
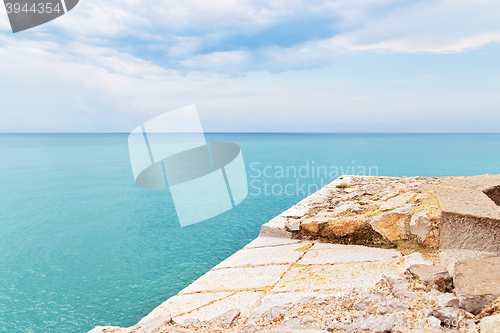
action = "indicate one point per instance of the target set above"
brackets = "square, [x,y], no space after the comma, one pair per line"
[257,65]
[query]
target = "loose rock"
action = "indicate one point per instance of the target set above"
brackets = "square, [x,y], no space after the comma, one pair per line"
[434,276]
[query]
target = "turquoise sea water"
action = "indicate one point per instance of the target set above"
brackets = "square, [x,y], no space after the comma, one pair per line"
[81,245]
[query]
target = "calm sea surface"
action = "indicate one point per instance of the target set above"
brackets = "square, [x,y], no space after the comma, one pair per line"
[81,245]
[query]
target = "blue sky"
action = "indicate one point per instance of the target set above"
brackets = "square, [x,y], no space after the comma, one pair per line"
[274,65]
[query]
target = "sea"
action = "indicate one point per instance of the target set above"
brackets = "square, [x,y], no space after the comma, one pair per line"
[82,245]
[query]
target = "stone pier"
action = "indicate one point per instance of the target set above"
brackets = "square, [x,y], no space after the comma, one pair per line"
[405,240]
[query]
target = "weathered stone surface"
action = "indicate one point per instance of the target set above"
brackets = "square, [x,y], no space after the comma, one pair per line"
[248,328]
[398,286]
[237,279]
[449,257]
[264,256]
[314,198]
[343,277]
[229,316]
[391,307]
[442,299]
[270,241]
[289,298]
[420,226]
[275,228]
[337,253]
[391,225]
[344,226]
[312,225]
[447,314]
[292,224]
[397,201]
[243,301]
[477,282]
[295,212]
[289,327]
[381,323]
[181,304]
[315,223]
[470,219]
[343,207]
[154,324]
[276,312]
[369,301]
[493,324]
[434,276]
[189,320]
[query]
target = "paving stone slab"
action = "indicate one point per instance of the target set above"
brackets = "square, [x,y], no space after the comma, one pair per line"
[177,305]
[285,254]
[237,279]
[263,241]
[337,253]
[343,277]
[243,301]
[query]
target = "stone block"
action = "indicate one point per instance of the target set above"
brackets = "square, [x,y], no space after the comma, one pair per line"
[470,219]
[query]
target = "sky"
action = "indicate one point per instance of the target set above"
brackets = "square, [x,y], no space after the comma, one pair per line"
[257,66]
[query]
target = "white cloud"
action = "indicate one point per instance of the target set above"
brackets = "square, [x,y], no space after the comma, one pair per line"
[445,26]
